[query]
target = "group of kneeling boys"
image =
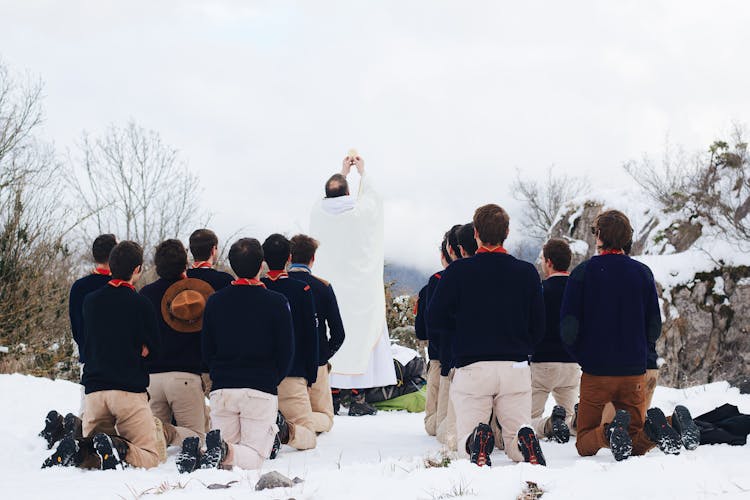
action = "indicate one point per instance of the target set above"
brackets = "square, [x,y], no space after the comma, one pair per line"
[500,341]
[257,347]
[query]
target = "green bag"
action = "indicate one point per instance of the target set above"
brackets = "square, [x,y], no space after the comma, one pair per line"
[413,402]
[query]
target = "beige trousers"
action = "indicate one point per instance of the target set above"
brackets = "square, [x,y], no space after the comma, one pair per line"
[247,421]
[178,395]
[480,388]
[652,377]
[433,388]
[321,400]
[446,430]
[294,404]
[130,416]
[563,381]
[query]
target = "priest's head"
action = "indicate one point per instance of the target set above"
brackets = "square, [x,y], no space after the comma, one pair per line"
[337,186]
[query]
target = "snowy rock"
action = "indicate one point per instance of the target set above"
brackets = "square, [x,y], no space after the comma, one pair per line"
[275,479]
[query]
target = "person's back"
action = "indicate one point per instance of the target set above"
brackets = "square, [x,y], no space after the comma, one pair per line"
[247,338]
[550,348]
[204,246]
[217,279]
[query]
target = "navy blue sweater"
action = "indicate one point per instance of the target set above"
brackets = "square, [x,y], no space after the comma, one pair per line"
[420,326]
[433,336]
[78,292]
[300,299]
[180,352]
[118,322]
[610,315]
[247,338]
[327,311]
[488,307]
[551,349]
[217,279]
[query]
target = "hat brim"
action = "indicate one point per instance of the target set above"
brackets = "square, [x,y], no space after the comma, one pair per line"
[178,324]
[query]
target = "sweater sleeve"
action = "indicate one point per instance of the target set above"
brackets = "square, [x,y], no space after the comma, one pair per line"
[208,344]
[311,336]
[335,324]
[420,329]
[571,310]
[75,312]
[653,313]
[441,312]
[151,338]
[538,314]
[284,336]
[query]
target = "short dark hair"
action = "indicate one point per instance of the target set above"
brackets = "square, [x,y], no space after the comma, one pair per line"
[336,186]
[558,252]
[170,259]
[201,242]
[628,247]
[491,223]
[246,257]
[444,248]
[466,239]
[613,229]
[102,247]
[303,248]
[453,240]
[276,251]
[124,258]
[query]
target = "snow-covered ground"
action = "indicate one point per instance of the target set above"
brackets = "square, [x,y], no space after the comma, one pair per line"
[379,457]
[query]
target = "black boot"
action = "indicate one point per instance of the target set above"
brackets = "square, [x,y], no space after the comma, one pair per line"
[336,395]
[480,444]
[658,430]
[574,422]
[73,425]
[683,423]
[189,456]
[359,407]
[108,453]
[66,454]
[529,446]
[216,451]
[617,433]
[53,428]
[282,437]
[558,429]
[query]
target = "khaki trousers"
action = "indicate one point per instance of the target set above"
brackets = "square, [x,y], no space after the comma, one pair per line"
[446,430]
[247,421]
[433,388]
[480,388]
[652,377]
[178,395]
[563,381]
[294,404]
[129,415]
[626,393]
[321,400]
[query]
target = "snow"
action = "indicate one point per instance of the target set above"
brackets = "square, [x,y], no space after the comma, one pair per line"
[380,457]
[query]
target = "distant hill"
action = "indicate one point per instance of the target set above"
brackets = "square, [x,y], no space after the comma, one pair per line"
[407,280]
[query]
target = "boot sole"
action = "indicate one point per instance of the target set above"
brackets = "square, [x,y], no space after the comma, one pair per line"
[690,433]
[64,455]
[530,448]
[54,429]
[620,442]
[481,457]
[188,458]
[665,437]
[106,452]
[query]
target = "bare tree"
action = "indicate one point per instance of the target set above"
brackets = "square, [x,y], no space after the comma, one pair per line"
[542,200]
[136,186]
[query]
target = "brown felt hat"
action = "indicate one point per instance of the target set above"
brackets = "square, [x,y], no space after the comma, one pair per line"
[183,304]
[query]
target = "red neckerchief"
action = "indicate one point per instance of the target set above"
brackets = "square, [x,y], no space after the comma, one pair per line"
[103,271]
[611,252]
[274,275]
[119,283]
[498,249]
[202,264]
[248,282]
[559,273]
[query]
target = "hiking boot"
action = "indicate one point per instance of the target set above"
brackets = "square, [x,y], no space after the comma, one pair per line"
[72,424]
[682,422]
[480,444]
[216,451]
[282,437]
[189,456]
[109,454]
[66,454]
[658,430]
[53,429]
[558,429]
[529,446]
[574,422]
[336,401]
[359,407]
[617,434]
[275,448]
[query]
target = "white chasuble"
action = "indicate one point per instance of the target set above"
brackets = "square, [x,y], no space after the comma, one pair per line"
[350,256]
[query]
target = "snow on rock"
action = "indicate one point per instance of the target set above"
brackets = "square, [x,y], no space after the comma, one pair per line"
[380,457]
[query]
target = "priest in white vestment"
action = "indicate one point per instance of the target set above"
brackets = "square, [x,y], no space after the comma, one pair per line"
[350,256]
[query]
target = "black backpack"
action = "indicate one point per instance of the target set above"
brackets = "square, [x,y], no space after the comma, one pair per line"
[409,378]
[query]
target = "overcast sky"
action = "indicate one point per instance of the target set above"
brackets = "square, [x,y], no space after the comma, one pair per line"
[444,100]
